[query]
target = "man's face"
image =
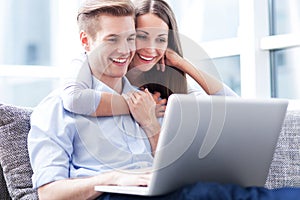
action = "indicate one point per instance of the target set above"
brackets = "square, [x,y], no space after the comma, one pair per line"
[113,48]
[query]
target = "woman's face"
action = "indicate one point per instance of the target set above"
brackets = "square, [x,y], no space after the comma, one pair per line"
[151,41]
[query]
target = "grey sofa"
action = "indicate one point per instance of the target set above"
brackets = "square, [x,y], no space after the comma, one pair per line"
[15,170]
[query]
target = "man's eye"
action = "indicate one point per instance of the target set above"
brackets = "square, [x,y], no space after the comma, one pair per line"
[131,39]
[112,40]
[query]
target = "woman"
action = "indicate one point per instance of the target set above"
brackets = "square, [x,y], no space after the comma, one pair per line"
[158,44]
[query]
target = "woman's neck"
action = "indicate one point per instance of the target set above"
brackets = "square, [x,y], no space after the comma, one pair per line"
[135,77]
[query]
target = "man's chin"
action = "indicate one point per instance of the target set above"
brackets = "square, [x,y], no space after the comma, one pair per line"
[118,75]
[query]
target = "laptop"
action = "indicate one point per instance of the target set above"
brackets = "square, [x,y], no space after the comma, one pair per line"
[212,139]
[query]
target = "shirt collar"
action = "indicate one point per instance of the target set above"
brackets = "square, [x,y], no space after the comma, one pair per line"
[100,86]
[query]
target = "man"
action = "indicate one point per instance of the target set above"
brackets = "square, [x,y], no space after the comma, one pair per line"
[70,154]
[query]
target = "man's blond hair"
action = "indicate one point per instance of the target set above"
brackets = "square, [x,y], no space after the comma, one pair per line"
[90,10]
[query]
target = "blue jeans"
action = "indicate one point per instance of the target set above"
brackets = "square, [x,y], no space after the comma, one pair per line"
[215,191]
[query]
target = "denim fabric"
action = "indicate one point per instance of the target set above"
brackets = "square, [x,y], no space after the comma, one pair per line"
[215,191]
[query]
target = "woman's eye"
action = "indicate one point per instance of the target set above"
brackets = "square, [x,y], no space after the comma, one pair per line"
[161,40]
[142,37]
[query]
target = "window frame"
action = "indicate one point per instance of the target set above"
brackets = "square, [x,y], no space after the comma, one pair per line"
[254,44]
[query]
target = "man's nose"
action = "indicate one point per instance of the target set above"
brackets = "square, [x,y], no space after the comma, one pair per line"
[124,48]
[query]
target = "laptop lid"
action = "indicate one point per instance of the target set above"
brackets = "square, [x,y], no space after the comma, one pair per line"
[214,139]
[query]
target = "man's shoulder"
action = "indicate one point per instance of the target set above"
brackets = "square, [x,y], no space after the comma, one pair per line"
[127,86]
[49,112]
[51,101]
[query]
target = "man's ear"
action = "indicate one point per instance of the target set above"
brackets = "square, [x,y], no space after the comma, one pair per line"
[84,40]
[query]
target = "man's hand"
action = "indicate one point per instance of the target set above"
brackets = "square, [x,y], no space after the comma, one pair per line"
[130,178]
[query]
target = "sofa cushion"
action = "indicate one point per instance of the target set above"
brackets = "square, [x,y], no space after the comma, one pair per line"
[285,167]
[14,159]
[3,189]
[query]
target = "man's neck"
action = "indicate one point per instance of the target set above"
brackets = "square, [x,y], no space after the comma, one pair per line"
[114,83]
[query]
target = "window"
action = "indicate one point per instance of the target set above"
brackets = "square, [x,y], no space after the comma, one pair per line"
[229,69]
[26,38]
[206,20]
[253,44]
[286,73]
[285,16]
[37,39]
[205,26]
[285,26]
[237,35]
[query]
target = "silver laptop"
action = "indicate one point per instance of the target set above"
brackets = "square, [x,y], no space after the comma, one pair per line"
[213,139]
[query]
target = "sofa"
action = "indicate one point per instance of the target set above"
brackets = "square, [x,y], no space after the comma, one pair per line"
[15,170]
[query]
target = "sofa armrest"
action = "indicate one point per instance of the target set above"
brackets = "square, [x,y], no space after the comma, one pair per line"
[285,167]
[4,195]
[14,158]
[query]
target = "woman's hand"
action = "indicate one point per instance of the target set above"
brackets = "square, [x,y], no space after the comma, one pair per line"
[172,58]
[160,105]
[161,65]
[209,83]
[142,107]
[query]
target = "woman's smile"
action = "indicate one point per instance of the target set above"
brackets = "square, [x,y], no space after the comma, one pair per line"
[146,58]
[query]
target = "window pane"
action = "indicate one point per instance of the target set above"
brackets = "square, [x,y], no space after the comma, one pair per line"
[202,20]
[286,16]
[25,32]
[287,72]
[229,70]
[25,91]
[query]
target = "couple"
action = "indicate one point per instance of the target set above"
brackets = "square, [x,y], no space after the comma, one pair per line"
[71,153]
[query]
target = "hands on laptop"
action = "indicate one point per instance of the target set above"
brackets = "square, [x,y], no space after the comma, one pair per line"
[129,177]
